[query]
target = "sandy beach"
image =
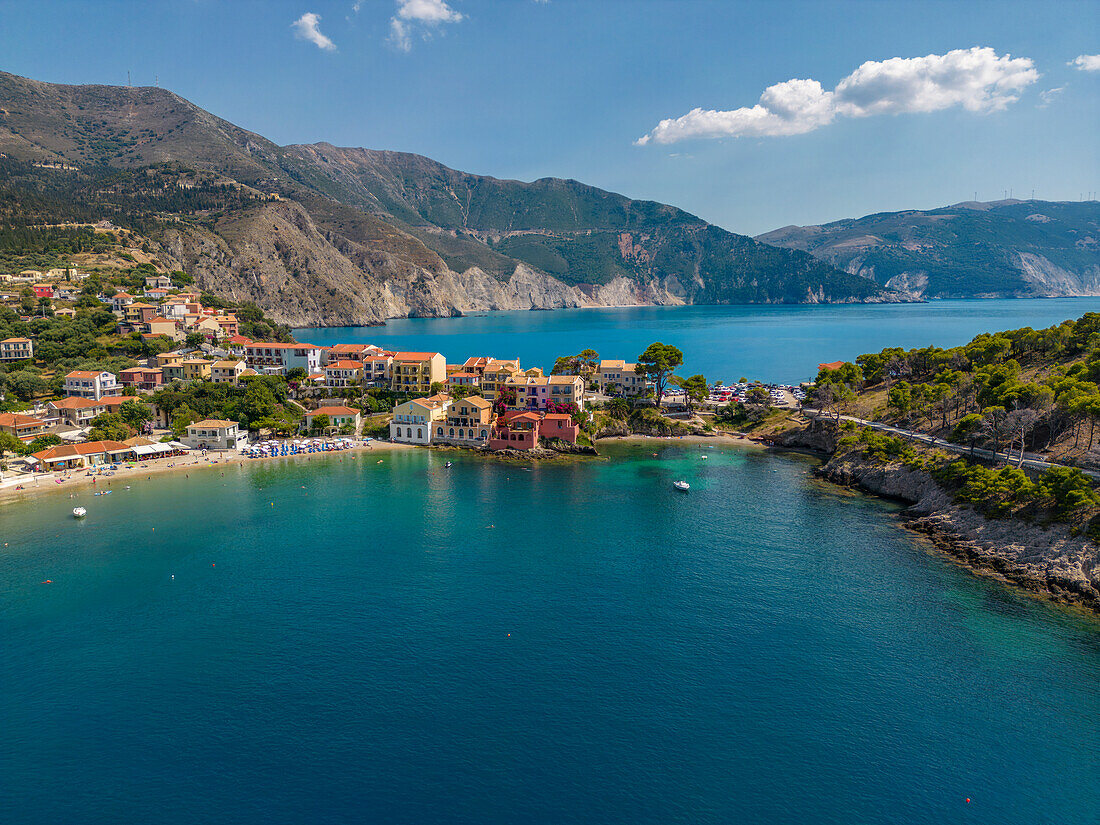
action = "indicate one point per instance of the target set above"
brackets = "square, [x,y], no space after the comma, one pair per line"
[80,480]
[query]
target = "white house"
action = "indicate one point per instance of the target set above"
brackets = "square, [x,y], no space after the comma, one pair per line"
[278,358]
[413,420]
[91,384]
[212,434]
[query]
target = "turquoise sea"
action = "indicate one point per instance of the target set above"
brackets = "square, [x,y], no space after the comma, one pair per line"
[771,343]
[339,640]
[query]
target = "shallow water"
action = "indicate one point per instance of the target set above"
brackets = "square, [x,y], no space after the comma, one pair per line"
[351,641]
[770,343]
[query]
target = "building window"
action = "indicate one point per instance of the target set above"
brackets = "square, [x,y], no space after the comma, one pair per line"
[419,433]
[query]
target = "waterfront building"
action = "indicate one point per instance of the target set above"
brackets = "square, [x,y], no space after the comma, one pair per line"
[86,454]
[535,393]
[338,416]
[16,349]
[415,372]
[617,377]
[468,423]
[212,434]
[522,429]
[413,421]
[91,384]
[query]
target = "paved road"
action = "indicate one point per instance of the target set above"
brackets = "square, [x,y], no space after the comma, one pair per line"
[1030,460]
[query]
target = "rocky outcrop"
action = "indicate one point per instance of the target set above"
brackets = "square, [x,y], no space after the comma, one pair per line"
[1046,558]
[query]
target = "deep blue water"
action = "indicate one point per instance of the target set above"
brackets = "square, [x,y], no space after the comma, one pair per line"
[770,343]
[347,641]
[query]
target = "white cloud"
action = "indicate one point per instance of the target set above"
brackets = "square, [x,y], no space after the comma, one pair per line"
[1048,96]
[1086,62]
[977,79]
[308,27]
[419,15]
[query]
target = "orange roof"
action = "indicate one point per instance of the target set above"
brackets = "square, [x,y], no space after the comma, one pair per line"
[16,341]
[17,420]
[240,339]
[75,402]
[414,356]
[463,375]
[331,411]
[559,415]
[347,348]
[212,422]
[83,374]
[344,365]
[87,448]
[115,400]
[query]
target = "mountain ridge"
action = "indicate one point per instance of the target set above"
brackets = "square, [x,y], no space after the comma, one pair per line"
[1008,248]
[324,235]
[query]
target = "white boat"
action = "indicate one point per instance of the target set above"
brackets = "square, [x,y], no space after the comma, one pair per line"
[79,512]
[681,485]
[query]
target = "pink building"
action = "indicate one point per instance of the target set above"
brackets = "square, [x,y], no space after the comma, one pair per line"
[522,430]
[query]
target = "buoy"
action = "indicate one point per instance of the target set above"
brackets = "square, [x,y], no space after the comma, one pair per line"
[968,800]
[50,581]
[173,575]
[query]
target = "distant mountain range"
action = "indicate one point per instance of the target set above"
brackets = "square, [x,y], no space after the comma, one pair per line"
[317,234]
[1003,249]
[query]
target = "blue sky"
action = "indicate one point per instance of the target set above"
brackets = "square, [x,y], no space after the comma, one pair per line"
[565,88]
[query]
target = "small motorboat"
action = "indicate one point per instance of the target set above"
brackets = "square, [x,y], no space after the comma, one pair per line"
[448,464]
[79,512]
[681,485]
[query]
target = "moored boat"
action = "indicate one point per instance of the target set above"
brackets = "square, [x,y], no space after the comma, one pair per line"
[681,485]
[79,512]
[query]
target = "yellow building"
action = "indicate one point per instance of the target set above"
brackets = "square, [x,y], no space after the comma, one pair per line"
[415,372]
[495,373]
[189,369]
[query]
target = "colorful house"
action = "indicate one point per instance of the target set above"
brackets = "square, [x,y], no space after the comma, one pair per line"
[143,379]
[469,423]
[413,421]
[415,372]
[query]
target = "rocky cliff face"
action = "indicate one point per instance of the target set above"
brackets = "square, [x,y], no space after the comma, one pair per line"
[1043,558]
[970,250]
[320,234]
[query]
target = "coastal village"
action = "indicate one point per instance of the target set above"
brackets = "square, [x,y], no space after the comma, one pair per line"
[328,397]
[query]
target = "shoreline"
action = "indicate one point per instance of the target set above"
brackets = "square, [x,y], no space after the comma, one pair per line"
[80,480]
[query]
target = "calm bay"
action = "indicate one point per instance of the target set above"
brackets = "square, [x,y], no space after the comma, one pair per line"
[768,343]
[342,639]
